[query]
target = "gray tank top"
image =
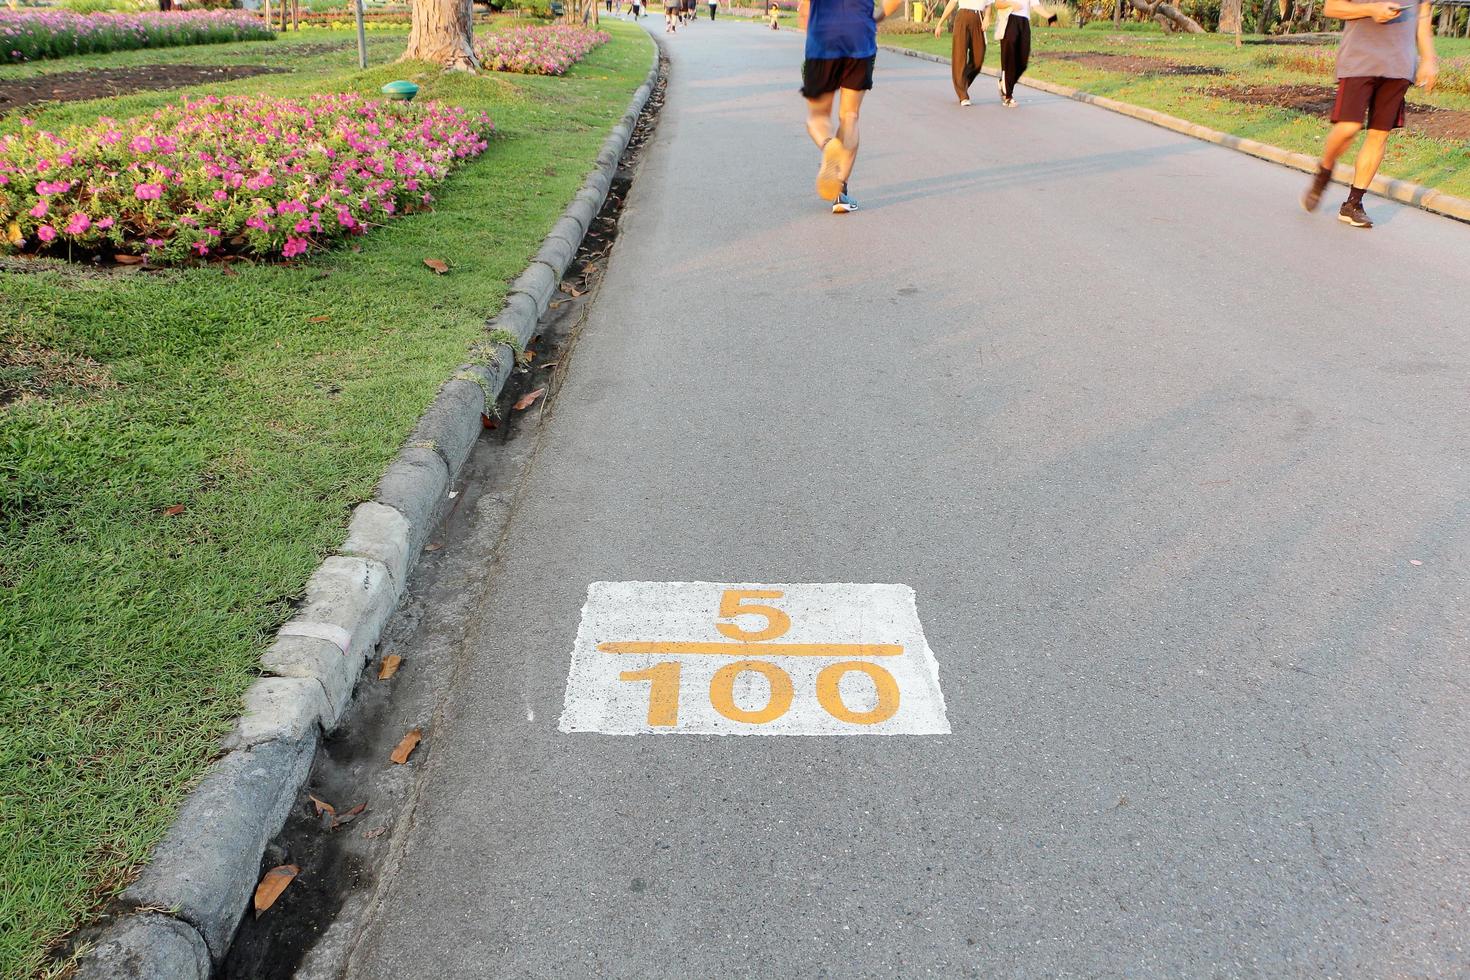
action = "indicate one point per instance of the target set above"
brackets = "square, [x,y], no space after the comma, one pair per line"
[1380,50]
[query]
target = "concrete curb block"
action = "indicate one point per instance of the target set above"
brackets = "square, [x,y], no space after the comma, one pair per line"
[205,868]
[1402,191]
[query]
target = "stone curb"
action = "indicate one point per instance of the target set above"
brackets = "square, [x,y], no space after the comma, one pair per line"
[188,901]
[1402,191]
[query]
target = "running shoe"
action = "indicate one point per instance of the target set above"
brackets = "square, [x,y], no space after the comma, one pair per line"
[829,184]
[965,103]
[844,204]
[1352,213]
[1010,103]
[1313,195]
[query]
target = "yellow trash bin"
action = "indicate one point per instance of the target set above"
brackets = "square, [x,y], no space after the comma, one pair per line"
[919,12]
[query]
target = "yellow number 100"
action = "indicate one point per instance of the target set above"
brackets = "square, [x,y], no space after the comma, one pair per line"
[663,692]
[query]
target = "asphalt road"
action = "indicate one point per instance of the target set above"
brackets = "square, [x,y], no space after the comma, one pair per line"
[1178,475]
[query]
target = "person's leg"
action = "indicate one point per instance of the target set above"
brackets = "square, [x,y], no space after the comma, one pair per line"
[819,118]
[1339,137]
[1370,157]
[976,44]
[1022,53]
[849,104]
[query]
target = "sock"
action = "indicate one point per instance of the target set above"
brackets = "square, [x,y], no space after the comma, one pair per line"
[1355,196]
[1324,173]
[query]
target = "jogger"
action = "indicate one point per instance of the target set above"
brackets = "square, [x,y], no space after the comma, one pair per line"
[967,52]
[713,6]
[841,47]
[1385,48]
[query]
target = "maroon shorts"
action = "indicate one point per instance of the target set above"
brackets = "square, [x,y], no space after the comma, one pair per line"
[1380,99]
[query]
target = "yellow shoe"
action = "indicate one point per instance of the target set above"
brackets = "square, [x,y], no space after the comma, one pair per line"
[829,180]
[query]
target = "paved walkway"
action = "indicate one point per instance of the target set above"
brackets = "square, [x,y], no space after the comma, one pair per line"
[1179,477]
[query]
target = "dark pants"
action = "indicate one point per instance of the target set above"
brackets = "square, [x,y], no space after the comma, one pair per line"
[967,53]
[1015,51]
[711,11]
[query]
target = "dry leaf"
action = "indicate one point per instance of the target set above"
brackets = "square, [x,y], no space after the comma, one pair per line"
[317,319]
[322,806]
[128,259]
[571,290]
[228,271]
[272,883]
[1415,561]
[438,265]
[173,511]
[389,666]
[375,832]
[434,546]
[549,364]
[526,401]
[349,816]
[405,748]
[487,421]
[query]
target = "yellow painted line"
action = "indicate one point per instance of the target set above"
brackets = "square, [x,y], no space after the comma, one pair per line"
[680,648]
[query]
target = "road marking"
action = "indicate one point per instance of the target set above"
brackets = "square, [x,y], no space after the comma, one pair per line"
[851,660]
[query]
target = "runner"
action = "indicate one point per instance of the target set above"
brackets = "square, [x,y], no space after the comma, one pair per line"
[713,6]
[773,16]
[1013,31]
[841,46]
[637,6]
[967,53]
[1385,48]
[671,16]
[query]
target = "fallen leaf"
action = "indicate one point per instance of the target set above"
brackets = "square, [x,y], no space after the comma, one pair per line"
[487,421]
[526,401]
[434,546]
[549,364]
[571,290]
[1415,561]
[228,271]
[272,883]
[349,816]
[375,832]
[322,806]
[173,511]
[317,319]
[128,259]
[554,305]
[438,265]
[406,746]
[390,666]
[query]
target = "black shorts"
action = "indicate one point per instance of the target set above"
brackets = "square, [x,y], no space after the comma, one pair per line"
[1380,99]
[822,75]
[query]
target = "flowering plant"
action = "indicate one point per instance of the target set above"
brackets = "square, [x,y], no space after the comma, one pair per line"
[239,175]
[26,35]
[538,50]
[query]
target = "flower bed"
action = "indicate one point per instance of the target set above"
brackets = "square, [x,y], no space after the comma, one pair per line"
[26,35]
[538,50]
[228,176]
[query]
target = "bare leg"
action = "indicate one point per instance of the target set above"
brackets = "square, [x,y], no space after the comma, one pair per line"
[1370,157]
[819,119]
[1338,139]
[847,128]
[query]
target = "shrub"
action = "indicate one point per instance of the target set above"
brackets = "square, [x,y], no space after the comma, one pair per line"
[538,50]
[239,175]
[26,35]
[108,6]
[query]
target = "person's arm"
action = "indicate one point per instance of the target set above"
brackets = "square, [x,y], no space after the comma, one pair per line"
[939,24]
[1347,10]
[1044,11]
[1428,61]
[890,7]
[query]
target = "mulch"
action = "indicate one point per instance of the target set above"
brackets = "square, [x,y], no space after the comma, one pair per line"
[101,83]
[1131,64]
[1317,100]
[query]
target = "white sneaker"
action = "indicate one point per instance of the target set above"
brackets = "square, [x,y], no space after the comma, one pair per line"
[964,102]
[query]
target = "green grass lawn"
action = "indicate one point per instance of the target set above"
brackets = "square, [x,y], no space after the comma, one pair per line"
[1438,163]
[265,402]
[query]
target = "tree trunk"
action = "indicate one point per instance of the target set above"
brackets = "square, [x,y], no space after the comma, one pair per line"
[1230,16]
[442,31]
[1117,12]
[1177,18]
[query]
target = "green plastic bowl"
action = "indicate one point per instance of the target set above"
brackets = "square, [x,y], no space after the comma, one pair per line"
[401,91]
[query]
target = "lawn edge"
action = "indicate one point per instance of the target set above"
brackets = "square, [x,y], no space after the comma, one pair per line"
[178,918]
[1403,191]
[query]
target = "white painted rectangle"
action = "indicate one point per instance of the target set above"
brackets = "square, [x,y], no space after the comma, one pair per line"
[749,659]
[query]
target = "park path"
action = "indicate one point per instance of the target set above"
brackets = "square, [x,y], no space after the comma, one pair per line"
[1178,475]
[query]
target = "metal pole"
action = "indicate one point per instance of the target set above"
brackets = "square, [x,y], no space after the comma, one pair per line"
[361,34]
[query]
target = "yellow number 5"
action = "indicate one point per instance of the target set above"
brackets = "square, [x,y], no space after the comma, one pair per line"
[733,604]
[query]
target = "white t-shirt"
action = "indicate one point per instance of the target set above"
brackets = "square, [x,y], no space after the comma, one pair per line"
[979,5]
[1022,9]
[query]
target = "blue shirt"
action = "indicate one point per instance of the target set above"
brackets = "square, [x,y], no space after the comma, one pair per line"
[841,29]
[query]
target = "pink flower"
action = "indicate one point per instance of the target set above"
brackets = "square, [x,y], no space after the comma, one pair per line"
[77,224]
[46,233]
[52,186]
[294,246]
[148,192]
[39,211]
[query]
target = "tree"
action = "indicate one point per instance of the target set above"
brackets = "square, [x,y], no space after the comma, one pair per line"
[1171,17]
[442,31]
[1230,16]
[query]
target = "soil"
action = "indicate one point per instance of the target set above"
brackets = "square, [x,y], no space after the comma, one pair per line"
[1131,64]
[101,83]
[1317,100]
